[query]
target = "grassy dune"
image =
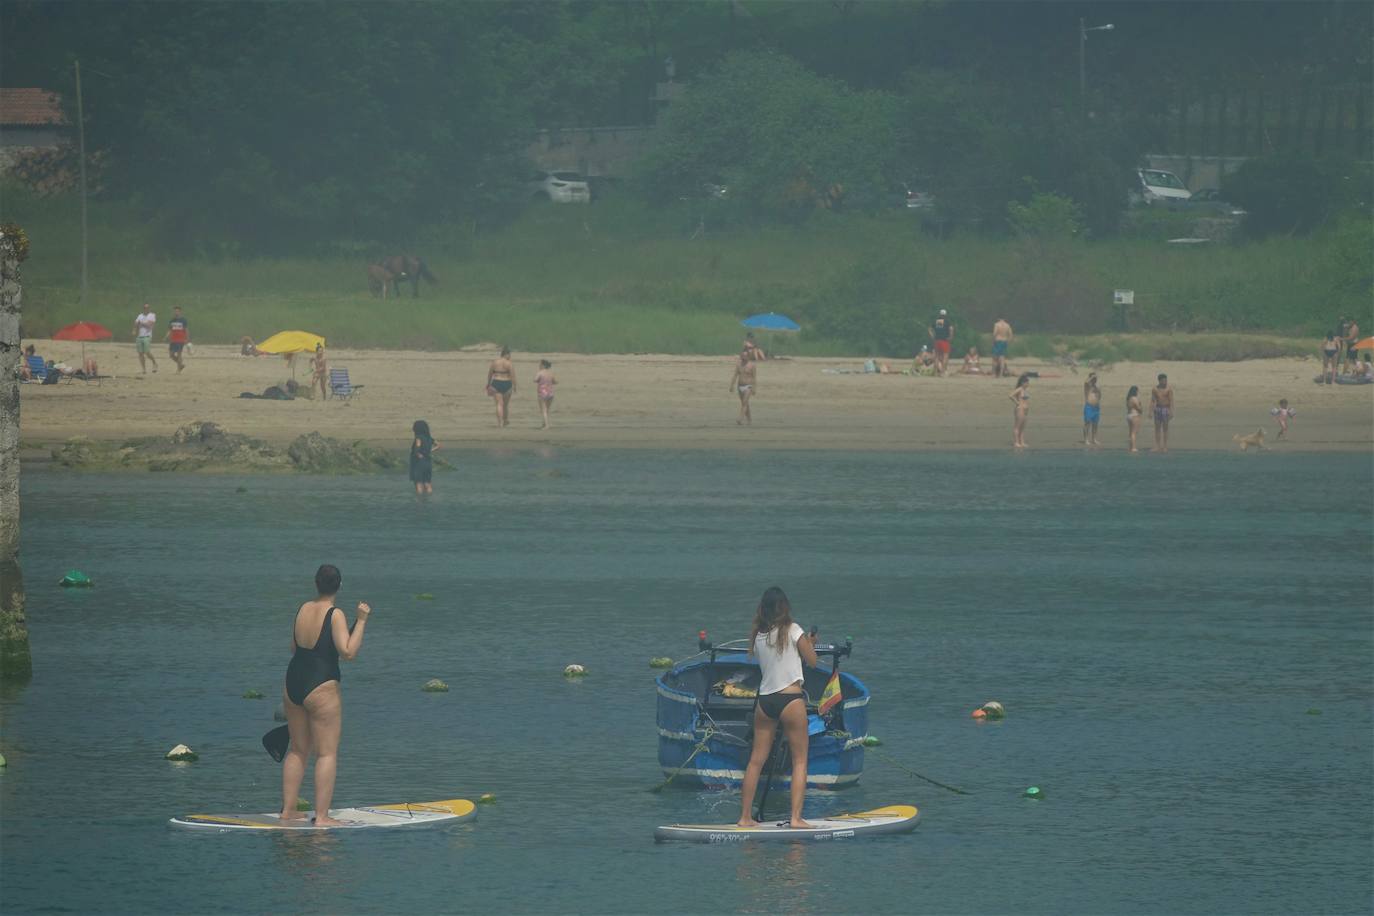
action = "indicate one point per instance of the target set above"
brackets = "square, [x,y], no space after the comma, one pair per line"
[617,277]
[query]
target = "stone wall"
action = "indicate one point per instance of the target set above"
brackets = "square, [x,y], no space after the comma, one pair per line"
[15,664]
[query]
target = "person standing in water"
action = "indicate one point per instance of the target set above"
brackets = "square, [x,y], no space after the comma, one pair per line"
[1133,412]
[1162,405]
[144,323]
[780,645]
[1021,398]
[543,386]
[1092,409]
[1001,342]
[422,449]
[178,336]
[501,385]
[311,697]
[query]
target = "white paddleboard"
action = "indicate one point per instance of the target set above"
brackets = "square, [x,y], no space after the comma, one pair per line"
[890,819]
[406,814]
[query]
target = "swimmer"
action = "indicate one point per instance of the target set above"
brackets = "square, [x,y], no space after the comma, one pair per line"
[780,645]
[422,449]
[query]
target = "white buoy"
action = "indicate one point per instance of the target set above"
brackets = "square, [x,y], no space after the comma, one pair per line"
[182,752]
[574,671]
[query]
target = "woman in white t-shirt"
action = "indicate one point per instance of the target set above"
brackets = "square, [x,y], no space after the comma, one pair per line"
[780,646]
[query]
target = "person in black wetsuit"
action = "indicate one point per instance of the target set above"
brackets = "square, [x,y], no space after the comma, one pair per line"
[422,450]
[320,636]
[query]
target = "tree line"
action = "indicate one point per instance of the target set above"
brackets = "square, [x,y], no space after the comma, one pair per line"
[259,127]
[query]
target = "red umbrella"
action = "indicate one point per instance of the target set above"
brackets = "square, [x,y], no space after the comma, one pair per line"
[83,331]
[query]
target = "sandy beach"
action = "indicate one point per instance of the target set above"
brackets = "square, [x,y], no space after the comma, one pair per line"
[649,401]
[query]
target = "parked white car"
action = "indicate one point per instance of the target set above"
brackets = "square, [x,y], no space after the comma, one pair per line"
[1158,186]
[561,187]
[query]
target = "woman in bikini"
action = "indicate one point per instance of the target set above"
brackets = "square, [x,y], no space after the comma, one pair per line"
[1331,355]
[543,385]
[1021,398]
[320,636]
[501,385]
[781,646]
[1133,414]
[319,366]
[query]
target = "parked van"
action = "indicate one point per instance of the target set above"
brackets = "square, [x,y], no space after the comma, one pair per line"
[1157,187]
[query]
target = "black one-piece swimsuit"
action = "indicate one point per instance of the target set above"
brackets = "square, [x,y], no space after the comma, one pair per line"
[312,667]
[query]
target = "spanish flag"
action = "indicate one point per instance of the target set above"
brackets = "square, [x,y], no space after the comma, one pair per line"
[830,698]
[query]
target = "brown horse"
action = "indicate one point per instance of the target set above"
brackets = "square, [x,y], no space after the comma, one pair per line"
[380,280]
[409,267]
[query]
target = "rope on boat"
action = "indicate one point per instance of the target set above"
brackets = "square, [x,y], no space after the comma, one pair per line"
[710,733]
[906,769]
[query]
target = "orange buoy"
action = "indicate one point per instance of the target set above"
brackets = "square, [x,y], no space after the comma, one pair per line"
[979,713]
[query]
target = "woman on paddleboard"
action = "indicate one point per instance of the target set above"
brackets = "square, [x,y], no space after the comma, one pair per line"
[320,636]
[780,646]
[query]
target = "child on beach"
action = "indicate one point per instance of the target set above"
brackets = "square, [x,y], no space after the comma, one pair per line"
[1282,414]
[543,383]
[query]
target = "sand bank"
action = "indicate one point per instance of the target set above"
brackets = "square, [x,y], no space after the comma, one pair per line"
[649,401]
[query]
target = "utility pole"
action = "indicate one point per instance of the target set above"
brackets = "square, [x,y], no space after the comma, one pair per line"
[1083,31]
[81,135]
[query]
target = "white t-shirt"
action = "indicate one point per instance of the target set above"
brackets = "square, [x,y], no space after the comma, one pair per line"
[145,322]
[780,669]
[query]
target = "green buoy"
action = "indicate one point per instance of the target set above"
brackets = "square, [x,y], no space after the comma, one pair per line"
[75,578]
[1033,792]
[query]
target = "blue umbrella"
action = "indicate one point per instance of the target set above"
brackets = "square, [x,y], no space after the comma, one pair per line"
[771,321]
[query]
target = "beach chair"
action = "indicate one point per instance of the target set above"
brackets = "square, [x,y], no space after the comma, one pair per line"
[340,386]
[38,370]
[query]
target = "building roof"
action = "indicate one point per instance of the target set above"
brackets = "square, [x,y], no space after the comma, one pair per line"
[31,107]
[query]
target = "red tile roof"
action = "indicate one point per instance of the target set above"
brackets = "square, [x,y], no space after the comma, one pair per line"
[30,107]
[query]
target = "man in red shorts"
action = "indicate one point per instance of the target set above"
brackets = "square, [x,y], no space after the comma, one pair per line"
[941,330]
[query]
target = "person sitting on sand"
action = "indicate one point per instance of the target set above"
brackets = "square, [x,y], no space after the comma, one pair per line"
[543,384]
[501,385]
[744,382]
[247,347]
[25,373]
[971,366]
[924,364]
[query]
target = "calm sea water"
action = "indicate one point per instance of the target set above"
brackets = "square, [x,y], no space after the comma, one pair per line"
[1162,631]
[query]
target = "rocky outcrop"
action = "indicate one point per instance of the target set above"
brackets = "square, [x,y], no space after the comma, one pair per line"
[204,446]
[15,663]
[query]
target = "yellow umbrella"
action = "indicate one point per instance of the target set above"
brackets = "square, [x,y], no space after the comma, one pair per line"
[291,342]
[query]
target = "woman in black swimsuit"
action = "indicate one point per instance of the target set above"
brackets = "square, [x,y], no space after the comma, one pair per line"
[501,385]
[313,704]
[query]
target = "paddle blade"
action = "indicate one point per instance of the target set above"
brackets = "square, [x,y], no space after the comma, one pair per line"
[277,741]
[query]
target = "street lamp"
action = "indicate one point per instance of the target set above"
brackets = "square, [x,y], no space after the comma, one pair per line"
[1083,31]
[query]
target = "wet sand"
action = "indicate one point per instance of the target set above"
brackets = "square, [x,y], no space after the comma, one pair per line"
[649,401]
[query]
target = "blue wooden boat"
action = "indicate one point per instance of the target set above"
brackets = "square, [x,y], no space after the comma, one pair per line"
[705,735]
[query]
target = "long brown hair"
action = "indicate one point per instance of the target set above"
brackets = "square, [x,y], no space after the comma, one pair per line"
[774,616]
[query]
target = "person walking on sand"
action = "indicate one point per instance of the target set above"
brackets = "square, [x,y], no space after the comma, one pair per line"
[501,385]
[1331,355]
[1021,398]
[941,330]
[319,372]
[744,382]
[543,386]
[422,449]
[1001,342]
[1092,410]
[1282,414]
[178,336]
[1162,405]
[1133,412]
[320,636]
[144,323]
[780,645]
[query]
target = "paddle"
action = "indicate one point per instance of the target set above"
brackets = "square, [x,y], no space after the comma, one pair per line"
[277,741]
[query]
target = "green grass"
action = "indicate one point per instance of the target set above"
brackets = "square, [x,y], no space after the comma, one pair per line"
[618,277]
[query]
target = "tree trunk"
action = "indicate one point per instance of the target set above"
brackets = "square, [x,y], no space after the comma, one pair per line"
[15,664]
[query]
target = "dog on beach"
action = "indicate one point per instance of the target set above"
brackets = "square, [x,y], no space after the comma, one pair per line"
[1255,439]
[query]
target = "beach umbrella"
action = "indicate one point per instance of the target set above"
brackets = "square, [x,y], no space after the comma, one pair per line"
[285,342]
[83,331]
[1366,344]
[770,321]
